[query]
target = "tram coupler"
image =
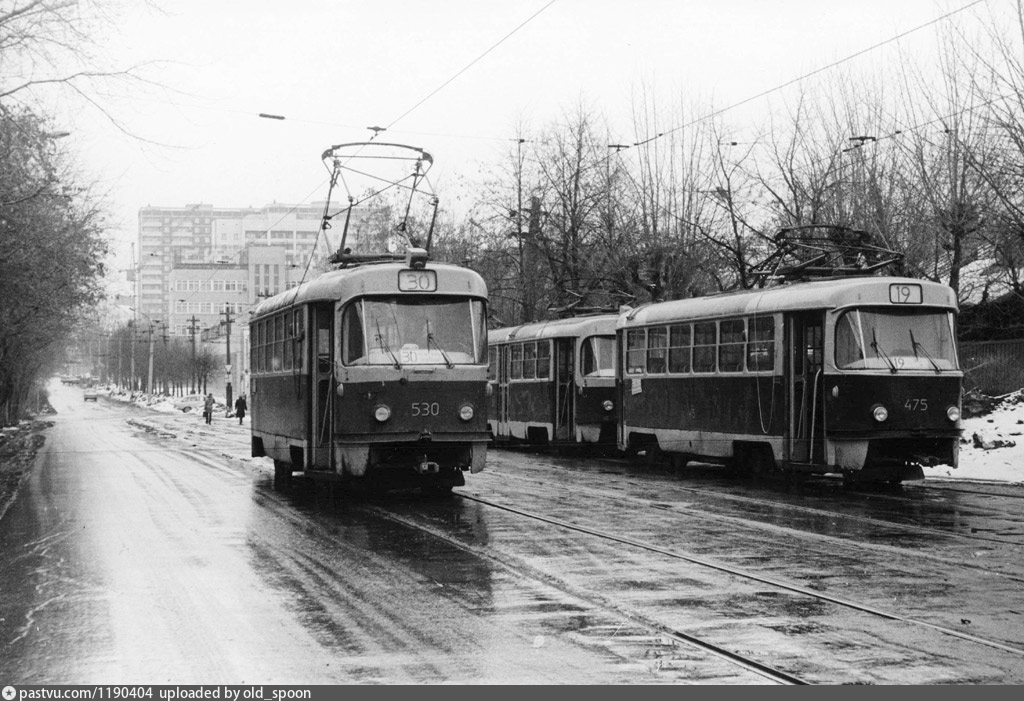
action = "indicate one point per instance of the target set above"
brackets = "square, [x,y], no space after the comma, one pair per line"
[427,468]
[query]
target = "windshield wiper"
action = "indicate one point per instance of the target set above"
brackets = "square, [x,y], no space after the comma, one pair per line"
[915,345]
[430,337]
[385,346]
[878,351]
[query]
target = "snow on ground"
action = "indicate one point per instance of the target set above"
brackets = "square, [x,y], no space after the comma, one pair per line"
[992,445]
[190,404]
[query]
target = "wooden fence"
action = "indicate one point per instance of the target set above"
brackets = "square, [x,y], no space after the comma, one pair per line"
[994,367]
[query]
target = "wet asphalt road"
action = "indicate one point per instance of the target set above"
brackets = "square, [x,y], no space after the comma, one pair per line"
[129,559]
[149,548]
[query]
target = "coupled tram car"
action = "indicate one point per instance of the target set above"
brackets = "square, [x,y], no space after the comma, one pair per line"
[373,374]
[554,382]
[851,375]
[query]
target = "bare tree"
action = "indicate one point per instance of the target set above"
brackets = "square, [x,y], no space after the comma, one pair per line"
[948,150]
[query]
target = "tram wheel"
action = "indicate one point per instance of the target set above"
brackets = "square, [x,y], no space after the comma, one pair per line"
[282,474]
[761,461]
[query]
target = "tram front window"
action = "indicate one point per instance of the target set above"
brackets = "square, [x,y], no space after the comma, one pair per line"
[598,356]
[403,331]
[895,339]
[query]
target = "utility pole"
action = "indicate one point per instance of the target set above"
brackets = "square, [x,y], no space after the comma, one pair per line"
[531,256]
[131,376]
[149,385]
[193,327]
[227,365]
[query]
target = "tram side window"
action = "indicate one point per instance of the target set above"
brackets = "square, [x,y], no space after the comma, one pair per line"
[289,335]
[517,362]
[657,350]
[679,341]
[529,361]
[492,363]
[731,345]
[636,349]
[704,351]
[300,336]
[543,359]
[761,347]
[254,347]
[353,346]
[278,347]
[262,349]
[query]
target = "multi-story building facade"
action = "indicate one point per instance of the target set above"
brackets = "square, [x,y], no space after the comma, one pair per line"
[197,262]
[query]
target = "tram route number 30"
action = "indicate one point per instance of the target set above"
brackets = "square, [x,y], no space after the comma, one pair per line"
[417,280]
[426,408]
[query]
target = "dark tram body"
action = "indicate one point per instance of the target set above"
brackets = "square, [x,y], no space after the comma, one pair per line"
[374,373]
[554,381]
[854,375]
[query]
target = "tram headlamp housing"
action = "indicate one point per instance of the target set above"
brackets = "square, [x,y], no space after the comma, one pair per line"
[466,412]
[880,413]
[608,404]
[953,413]
[382,412]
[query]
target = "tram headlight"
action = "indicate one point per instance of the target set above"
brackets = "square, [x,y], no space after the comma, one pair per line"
[466,412]
[880,413]
[382,412]
[953,413]
[608,404]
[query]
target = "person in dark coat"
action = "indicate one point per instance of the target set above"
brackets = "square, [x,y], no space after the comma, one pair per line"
[208,408]
[240,407]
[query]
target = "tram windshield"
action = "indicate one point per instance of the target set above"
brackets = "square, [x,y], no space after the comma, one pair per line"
[406,330]
[895,339]
[598,356]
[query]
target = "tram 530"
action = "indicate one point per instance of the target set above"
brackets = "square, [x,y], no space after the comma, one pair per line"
[375,372]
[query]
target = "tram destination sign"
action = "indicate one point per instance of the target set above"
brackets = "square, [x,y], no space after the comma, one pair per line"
[905,293]
[417,280]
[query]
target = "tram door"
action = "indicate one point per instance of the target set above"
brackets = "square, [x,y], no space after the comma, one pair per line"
[501,420]
[805,345]
[321,374]
[565,397]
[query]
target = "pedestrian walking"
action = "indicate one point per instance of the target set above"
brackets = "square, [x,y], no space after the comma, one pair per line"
[240,407]
[208,408]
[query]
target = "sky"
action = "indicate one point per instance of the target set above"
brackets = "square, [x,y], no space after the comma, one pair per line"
[458,78]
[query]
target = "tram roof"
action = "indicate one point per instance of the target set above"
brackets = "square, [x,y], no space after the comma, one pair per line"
[832,293]
[377,278]
[556,328]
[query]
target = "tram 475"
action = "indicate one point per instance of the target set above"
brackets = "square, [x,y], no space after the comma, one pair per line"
[375,373]
[851,375]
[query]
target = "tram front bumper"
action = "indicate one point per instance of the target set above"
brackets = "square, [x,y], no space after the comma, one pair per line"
[439,454]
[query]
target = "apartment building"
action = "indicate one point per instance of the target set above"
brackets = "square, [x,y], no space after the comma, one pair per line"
[199,261]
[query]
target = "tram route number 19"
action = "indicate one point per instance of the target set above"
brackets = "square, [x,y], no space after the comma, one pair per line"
[905,294]
[417,280]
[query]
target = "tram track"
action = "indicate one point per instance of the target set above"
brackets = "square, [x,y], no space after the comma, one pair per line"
[824,513]
[519,568]
[750,575]
[423,518]
[281,507]
[791,531]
